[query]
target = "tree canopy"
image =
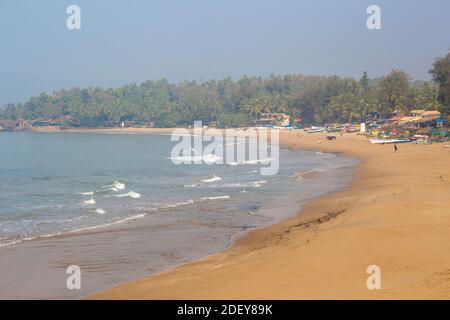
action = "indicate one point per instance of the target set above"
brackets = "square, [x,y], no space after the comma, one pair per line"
[314,99]
[441,75]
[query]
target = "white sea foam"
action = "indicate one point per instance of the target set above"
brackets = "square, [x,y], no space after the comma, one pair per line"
[50,235]
[90,201]
[99,211]
[212,179]
[191,185]
[10,243]
[234,185]
[134,217]
[216,198]
[177,204]
[130,194]
[209,158]
[89,193]
[116,186]
[258,182]
[254,184]
[119,185]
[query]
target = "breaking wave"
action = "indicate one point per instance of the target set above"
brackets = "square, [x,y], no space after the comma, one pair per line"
[116,186]
[216,198]
[99,211]
[130,194]
[212,179]
[89,193]
[177,204]
[89,202]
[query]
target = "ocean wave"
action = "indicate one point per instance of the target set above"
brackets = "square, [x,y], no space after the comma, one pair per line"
[210,158]
[5,244]
[131,218]
[254,184]
[89,193]
[257,184]
[50,235]
[177,204]
[89,202]
[216,197]
[212,179]
[116,186]
[130,194]
[99,211]
[191,185]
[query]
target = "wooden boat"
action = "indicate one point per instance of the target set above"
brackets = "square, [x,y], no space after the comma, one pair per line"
[388,141]
[331,129]
[315,130]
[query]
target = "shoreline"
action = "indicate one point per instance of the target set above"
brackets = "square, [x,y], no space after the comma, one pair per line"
[381,218]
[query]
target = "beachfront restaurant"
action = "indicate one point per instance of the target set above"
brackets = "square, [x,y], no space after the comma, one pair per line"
[273,119]
[429,119]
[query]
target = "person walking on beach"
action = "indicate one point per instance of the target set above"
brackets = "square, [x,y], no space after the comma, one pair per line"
[395,148]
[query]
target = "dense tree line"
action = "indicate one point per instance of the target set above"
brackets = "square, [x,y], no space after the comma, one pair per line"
[314,99]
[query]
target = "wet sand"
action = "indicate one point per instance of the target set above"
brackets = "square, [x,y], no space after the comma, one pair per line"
[395,214]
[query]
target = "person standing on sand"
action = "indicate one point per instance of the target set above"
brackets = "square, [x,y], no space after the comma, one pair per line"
[395,148]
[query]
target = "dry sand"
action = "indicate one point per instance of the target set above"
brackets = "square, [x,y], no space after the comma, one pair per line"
[395,214]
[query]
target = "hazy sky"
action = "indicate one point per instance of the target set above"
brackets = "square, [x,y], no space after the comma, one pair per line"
[135,40]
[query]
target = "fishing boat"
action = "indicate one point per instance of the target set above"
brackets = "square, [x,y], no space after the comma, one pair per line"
[388,141]
[315,129]
[334,129]
[352,129]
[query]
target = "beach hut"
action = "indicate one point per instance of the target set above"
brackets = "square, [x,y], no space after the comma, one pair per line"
[393,120]
[417,113]
[273,119]
[431,114]
[440,122]
[430,121]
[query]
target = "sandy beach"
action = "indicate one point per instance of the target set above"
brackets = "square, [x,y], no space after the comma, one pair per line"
[394,214]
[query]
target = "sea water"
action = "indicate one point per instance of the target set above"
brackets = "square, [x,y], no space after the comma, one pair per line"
[117,206]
